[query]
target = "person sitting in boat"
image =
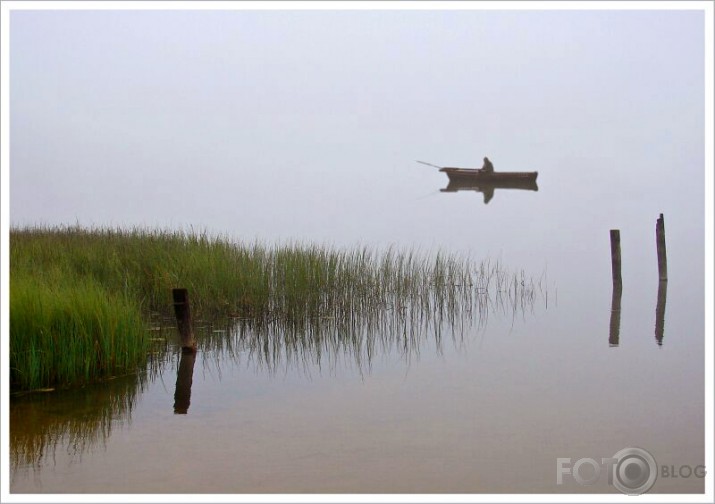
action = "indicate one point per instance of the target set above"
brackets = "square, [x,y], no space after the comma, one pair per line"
[488,167]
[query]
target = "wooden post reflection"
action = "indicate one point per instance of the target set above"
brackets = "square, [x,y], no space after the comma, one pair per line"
[660,311]
[615,326]
[615,329]
[184,379]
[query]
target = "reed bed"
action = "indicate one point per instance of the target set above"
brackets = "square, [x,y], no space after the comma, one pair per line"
[102,272]
[64,334]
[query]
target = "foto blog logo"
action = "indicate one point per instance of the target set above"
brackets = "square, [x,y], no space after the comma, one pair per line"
[632,471]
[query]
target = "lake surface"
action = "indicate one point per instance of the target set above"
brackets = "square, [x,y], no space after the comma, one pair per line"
[492,404]
[488,412]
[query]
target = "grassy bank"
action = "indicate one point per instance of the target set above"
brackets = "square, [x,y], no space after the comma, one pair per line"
[78,296]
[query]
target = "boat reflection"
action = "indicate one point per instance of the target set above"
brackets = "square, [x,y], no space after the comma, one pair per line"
[487,187]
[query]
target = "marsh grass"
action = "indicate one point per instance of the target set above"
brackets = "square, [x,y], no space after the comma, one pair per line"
[71,334]
[108,280]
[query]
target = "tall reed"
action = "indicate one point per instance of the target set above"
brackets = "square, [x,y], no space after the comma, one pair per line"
[64,334]
[125,275]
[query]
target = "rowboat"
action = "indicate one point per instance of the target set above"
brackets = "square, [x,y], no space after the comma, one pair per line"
[485,182]
[499,179]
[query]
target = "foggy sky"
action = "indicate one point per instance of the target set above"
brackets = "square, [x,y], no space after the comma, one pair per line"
[281,120]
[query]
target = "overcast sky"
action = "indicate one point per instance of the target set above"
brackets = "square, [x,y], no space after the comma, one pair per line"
[199,117]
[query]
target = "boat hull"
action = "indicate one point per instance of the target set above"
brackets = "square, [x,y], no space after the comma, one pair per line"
[498,179]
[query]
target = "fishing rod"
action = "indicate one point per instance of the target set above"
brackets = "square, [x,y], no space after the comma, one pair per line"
[430,164]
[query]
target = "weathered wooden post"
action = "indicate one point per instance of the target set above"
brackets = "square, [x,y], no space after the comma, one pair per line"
[182,309]
[660,245]
[616,257]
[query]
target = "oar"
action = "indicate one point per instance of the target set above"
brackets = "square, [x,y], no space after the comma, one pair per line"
[430,164]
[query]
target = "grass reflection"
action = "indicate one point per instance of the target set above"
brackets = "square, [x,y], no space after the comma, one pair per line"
[73,421]
[402,321]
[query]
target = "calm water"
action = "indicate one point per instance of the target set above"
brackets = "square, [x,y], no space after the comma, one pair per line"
[487,411]
[487,408]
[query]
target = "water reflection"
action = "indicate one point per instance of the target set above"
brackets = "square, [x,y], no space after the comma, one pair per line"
[660,311]
[73,420]
[403,322]
[184,379]
[615,325]
[487,187]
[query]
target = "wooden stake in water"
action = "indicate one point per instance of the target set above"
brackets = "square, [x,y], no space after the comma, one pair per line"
[616,257]
[182,309]
[660,244]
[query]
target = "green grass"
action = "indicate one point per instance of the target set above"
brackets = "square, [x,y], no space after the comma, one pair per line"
[64,334]
[78,296]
